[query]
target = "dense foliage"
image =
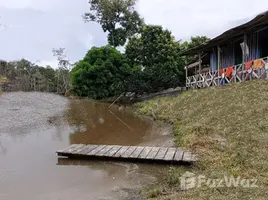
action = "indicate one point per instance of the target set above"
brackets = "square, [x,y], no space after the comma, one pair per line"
[151,63]
[157,52]
[117,17]
[102,73]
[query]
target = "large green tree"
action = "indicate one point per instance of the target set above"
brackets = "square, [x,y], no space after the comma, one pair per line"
[102,73]
[157,52]
[117,17]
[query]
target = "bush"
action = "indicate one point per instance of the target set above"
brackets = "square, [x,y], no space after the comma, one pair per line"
[101,74]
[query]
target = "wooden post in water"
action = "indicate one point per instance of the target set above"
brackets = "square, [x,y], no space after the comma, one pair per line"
[116,100]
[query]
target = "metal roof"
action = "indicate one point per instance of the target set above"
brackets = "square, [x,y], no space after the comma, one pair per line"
[259,21]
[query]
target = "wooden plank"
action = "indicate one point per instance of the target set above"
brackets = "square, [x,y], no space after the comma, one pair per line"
[66,149]
[87,149]
[145,152]
[186,156]
[96,150]
[103,151]
[189,157]
[194,157]
[113,151]
[78,149]
[137,152]
[170,154]
[74,148]
[153,153]
[161,153]
[178,155]
[82,149]
[129,152]
[121,151]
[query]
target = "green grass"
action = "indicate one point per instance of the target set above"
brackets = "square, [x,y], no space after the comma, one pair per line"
[152,192]
[228,127]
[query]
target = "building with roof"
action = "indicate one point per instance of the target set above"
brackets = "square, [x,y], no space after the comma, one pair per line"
[237,55]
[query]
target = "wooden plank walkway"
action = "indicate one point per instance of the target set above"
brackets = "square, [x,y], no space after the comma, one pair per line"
[129,153]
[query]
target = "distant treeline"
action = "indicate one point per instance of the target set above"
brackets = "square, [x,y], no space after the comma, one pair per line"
[22,75]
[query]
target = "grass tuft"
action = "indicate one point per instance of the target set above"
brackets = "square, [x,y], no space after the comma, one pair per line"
[151,192]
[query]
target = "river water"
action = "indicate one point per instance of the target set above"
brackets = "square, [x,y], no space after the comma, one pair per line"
[34,125]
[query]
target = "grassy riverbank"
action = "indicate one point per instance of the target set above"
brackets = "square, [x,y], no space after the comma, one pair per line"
[228,127]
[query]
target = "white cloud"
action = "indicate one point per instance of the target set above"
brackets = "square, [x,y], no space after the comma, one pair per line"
[52,63]
[38,26]
[89,41]
[195,17]
[15,3]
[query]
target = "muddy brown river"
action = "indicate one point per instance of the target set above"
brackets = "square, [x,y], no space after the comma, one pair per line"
[34,125]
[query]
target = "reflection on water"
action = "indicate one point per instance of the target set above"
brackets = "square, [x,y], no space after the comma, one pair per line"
[34,125]
[94,123]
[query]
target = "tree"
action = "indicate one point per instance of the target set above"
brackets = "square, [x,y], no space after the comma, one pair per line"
[194,42]
[117,17]
[157,52]
[64,67]
[102,73]
[50,79]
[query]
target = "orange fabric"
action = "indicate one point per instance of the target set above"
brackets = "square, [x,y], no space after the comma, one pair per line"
[248,65]
[258,64]
[229,71]
[221,71]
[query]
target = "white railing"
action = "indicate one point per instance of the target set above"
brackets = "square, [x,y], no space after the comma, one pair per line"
[237,73]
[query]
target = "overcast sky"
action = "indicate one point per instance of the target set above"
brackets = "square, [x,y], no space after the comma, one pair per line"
[33,27]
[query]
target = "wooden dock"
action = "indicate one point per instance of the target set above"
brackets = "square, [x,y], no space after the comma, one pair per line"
[128,153]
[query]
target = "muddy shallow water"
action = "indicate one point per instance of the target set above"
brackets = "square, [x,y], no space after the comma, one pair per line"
[34,125]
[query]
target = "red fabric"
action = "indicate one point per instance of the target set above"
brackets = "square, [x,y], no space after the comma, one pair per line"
[221,71]
[248,65]
[258,64]
[229,71]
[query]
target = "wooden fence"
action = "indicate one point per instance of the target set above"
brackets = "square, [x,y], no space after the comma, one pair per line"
[256,69]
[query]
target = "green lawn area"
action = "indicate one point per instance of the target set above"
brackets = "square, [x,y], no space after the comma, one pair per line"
[228,127]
